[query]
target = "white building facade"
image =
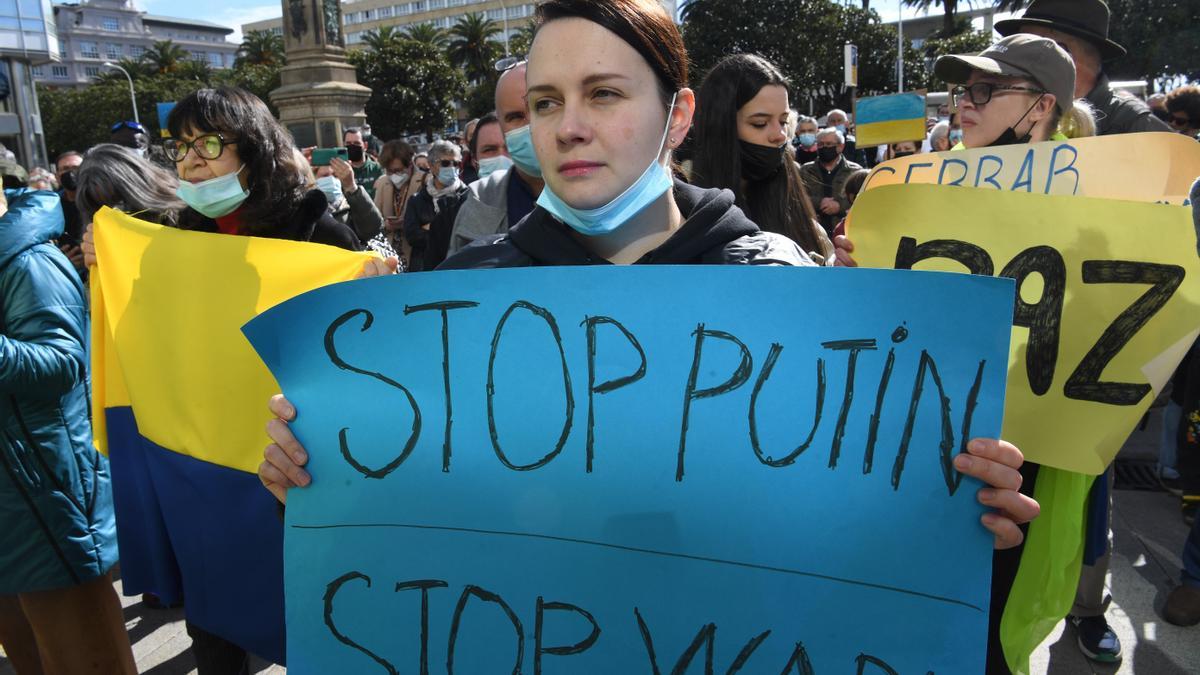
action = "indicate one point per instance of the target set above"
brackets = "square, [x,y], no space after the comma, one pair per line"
[94,31]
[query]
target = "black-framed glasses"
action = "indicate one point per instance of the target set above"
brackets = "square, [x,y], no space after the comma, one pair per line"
[450,162]
[509,62]
[981,93]
[127,125]
[208,146]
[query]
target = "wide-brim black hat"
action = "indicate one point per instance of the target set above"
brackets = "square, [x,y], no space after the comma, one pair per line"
[1087,19]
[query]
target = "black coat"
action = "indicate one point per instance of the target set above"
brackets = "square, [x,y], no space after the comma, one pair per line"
[309,221]
[715,232]
[429,247]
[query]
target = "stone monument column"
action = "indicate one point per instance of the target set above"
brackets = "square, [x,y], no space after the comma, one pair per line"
[319,94]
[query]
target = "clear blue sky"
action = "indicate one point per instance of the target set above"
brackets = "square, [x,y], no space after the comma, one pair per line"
[234,13]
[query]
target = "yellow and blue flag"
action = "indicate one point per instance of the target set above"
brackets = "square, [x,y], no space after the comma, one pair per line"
[889,119]
[179,405]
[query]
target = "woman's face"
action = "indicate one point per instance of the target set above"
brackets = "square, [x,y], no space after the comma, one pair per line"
[763,120]
[194,168]
[904,148]
[983,124]
[397,165]
[596,115]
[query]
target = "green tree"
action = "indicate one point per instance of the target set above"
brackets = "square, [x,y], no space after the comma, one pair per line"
[805,39]
[381,37]
[520,43]
[261,47]
[428,34]
[949,8]
[413,87]
[166,56]
[1161,36]
[137,69]
[472,47]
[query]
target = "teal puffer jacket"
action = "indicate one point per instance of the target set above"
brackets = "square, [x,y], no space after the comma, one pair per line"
[57,527]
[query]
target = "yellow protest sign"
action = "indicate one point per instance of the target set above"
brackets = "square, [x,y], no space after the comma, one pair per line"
[1108,300]
[168,307]
[1147,167]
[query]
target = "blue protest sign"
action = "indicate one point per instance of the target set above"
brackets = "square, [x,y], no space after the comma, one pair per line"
[639,469]
[164,111]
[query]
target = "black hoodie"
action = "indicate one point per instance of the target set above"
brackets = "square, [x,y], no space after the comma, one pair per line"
[714,232]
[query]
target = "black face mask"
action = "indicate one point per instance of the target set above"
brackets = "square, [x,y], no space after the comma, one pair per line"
[827,154]
[1009,137]
[70,181]
[898,155]
[761,162]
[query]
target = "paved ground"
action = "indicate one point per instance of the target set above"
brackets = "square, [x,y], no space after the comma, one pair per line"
[1149,536]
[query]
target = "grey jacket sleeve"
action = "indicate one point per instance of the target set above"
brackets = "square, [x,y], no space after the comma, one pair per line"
[364,215]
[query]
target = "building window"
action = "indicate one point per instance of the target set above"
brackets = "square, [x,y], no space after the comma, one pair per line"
[38,71]
[353,38]
[59,72]
[200,56]
[91,71]
[110,23]
[437,4]
[495,14]
[112,51]
[215,61]
[89,50]
[137,51]
[278,30]
[385,12]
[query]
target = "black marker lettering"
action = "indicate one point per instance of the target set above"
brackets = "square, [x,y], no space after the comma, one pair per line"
[864,660]
[746,652]
[799,662]
[880,393]
[1043,317]
[330,591]
[706,634]
[444,308]
[486,596]
[768,366]
[581,646]
[854,347]
[491,387]
[974,258]
[737,379]
[1084,384]
[343,435]
[946,447]
[424,585]
[591,322]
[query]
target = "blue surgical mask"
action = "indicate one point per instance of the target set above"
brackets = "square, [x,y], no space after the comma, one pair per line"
[520,149]
[447,175]
[955,136]
[332,187]
[652,184]
[491,165]
[841,128]
[214,197]
[807,140]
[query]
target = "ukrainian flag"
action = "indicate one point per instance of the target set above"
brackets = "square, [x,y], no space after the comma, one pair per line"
[889,119]
[179,405]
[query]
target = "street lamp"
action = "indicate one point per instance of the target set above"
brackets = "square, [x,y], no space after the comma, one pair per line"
[132,95]
[504,8]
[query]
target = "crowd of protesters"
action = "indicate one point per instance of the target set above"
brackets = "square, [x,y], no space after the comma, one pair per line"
[574,166]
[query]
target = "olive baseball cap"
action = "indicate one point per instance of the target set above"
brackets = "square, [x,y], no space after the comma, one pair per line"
[1020,55]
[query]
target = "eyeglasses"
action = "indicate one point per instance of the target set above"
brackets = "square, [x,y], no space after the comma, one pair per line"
[208,146]
[981,93]
[127,125]
[450,162]
[509,62]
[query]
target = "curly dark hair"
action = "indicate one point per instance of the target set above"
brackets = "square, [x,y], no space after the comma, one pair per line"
[273,174]
[1186,100]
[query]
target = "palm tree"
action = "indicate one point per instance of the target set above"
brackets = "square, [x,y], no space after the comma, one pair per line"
[137,69]
[1010,5]
[472,48]
[261,47]
[428,34]
[381,38]
[949,8]
[194,69]
[166,56]
[522,40]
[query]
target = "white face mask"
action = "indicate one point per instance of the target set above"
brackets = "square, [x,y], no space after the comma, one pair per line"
[398,179]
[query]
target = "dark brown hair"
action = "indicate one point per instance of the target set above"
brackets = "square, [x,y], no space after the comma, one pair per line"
[273,175]
[644,25]
[1185,100]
